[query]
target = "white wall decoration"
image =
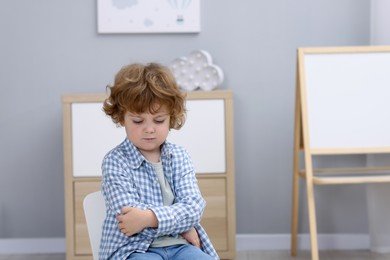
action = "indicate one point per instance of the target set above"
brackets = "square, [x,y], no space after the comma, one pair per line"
[196,71]
[148,16]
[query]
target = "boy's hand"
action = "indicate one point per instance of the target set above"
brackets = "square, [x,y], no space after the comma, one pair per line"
[134,220]
[192,237]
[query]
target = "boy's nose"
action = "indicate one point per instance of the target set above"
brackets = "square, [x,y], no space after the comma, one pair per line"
[150,129]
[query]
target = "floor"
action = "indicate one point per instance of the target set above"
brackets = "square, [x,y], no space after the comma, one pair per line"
[305,255]
[246,255]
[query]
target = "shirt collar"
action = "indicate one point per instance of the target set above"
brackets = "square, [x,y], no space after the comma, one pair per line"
[136,158]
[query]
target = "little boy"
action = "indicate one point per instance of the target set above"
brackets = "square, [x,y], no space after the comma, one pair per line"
[153,202]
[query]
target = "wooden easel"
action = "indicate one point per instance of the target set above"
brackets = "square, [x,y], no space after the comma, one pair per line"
[342,74]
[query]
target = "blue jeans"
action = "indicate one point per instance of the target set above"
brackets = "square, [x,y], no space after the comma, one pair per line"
[178,252]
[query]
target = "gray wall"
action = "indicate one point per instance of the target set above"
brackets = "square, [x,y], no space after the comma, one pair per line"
[50,48]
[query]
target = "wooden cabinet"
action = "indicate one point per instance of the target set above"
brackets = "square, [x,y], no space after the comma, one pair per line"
[207,135]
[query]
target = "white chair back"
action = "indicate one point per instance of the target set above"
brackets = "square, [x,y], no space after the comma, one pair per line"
[95,212]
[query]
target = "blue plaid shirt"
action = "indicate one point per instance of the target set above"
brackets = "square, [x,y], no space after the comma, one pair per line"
[129,180]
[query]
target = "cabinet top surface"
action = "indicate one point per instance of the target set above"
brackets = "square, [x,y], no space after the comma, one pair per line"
[100,97]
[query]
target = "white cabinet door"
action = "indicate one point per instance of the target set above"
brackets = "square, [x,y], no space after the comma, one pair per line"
[203,135]
[93,135]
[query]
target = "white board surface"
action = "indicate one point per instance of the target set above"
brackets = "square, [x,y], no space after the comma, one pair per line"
[348,99]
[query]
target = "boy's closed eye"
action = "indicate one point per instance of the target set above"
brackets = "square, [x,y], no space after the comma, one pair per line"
[159,121]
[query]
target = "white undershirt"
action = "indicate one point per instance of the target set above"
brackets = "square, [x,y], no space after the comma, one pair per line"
[168,199]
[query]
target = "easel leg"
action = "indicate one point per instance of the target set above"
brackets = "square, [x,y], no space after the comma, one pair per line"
[312,220]
[295,187]
[294,214]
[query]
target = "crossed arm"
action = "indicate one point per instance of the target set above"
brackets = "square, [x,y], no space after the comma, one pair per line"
[133,220]
[136,217]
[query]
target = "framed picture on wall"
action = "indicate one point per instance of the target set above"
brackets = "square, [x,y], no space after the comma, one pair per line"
[148,16]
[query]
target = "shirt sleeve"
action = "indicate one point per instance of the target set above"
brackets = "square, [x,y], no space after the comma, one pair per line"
[188,206]
[119,191]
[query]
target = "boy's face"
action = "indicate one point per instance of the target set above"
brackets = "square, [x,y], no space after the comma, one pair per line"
[147,131]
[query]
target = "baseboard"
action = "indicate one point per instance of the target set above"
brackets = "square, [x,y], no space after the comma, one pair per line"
[283,241]
[32,245]
[244,242]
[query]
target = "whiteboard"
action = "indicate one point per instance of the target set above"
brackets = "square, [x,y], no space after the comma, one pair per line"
[203,135]
[347,99]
